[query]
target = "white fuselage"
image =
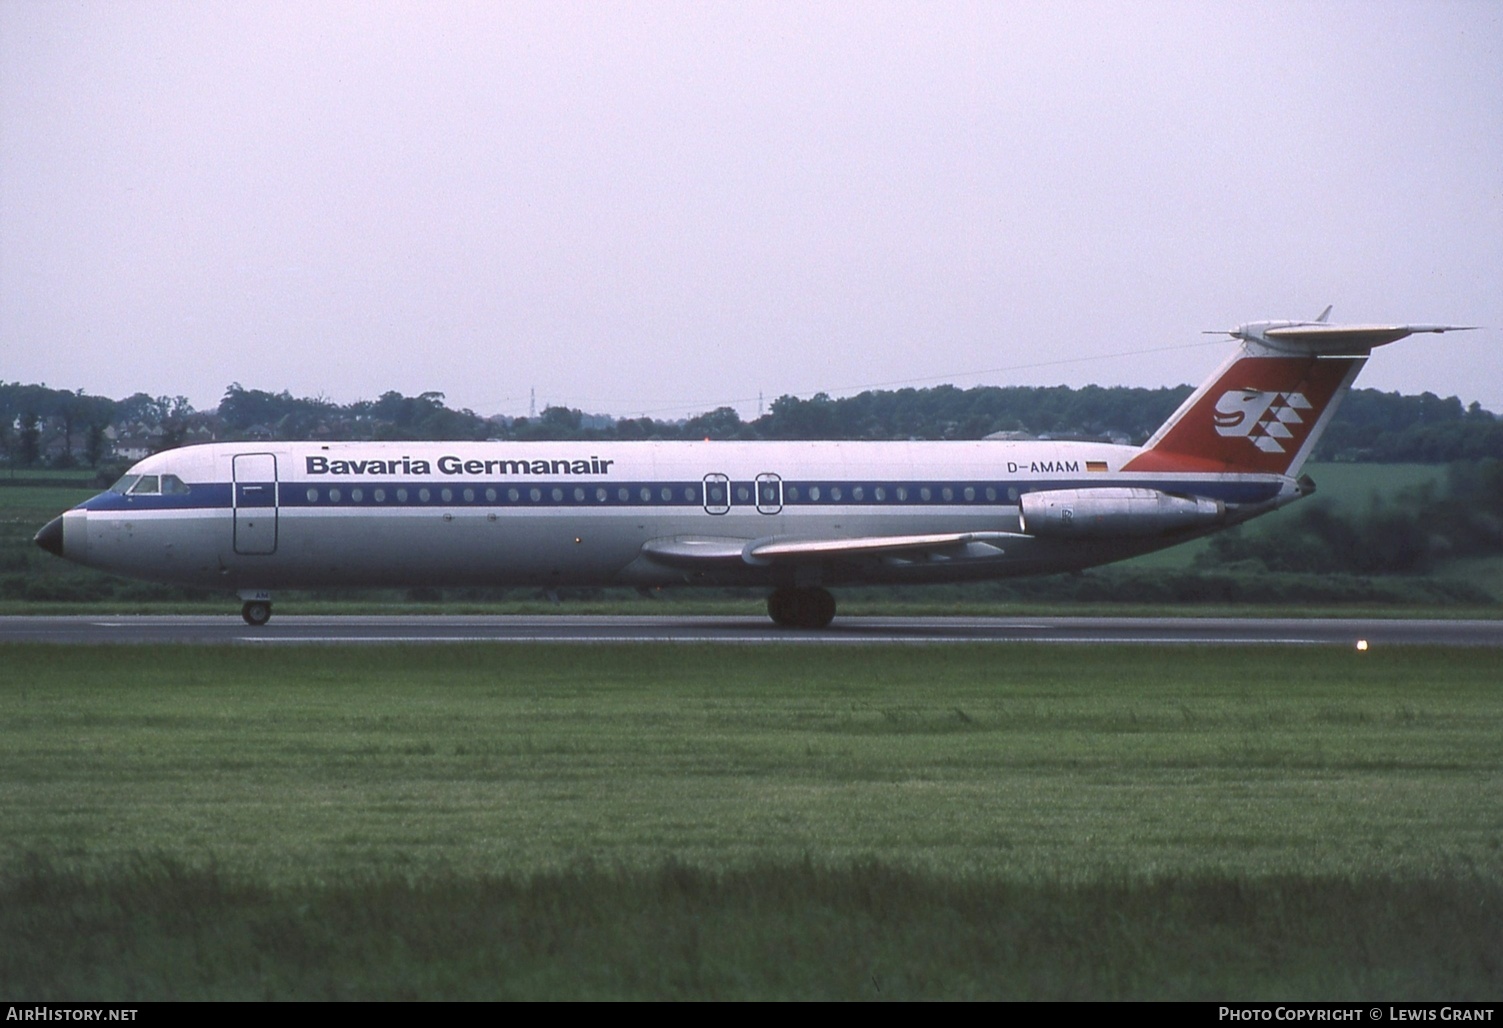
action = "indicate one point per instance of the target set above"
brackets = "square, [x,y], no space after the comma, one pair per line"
[263,516]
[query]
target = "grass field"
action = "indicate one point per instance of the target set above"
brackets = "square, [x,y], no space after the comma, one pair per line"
[716,822]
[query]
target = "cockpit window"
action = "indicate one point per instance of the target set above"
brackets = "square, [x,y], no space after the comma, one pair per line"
[173,486]
[123,486]
[146,485]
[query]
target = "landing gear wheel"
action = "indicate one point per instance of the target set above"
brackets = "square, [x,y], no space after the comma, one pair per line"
[801,608]
[782,607]
[817,608]
[256,613]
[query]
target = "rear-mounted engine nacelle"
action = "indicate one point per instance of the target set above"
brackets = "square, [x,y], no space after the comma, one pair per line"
[1113,512]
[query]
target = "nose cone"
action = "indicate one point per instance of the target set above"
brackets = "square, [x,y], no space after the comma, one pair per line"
[50,538]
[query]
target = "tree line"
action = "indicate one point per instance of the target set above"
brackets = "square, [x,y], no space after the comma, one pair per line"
[56,427]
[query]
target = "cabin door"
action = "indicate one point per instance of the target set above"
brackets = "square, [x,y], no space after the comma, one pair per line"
[717,494]
[769,494]
[255,500]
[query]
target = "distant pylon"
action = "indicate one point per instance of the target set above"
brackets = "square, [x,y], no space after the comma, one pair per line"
[532,403]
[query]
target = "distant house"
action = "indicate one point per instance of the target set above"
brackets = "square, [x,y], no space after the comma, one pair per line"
[129,442]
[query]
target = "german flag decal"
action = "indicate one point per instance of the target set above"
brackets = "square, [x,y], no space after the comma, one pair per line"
[1095,465]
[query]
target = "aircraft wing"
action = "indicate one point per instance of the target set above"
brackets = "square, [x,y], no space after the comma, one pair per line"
[688,551]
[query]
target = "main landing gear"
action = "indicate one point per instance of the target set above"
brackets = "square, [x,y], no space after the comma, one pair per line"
[801,608]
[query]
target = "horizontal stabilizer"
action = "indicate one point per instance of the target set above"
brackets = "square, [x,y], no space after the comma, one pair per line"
[1322,338]
[1319,339]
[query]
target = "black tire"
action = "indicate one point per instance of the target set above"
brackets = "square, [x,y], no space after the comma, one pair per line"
[816,608]
[256,613]
[801,608]
[782,607]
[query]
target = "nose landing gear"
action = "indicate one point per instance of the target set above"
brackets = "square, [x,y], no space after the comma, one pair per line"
[256,613]
[257,607]
[801,608]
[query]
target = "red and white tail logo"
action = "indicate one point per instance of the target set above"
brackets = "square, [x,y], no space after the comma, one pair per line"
[1258,413]
[1264,418]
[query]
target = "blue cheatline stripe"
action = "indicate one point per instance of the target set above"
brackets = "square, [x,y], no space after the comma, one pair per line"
[555,493]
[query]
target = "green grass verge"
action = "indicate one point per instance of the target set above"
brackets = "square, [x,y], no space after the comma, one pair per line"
[778,931]
[664,821]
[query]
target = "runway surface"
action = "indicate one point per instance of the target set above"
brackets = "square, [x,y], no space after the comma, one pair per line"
[292,629]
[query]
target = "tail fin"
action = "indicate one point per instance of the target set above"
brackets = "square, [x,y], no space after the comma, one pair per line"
[1266,407]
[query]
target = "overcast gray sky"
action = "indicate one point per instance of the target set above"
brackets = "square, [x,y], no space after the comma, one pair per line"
[663,207]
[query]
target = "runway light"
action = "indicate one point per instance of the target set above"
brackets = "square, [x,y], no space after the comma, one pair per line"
[1361,645]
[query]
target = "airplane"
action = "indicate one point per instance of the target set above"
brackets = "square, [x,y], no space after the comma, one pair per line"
[794,517]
